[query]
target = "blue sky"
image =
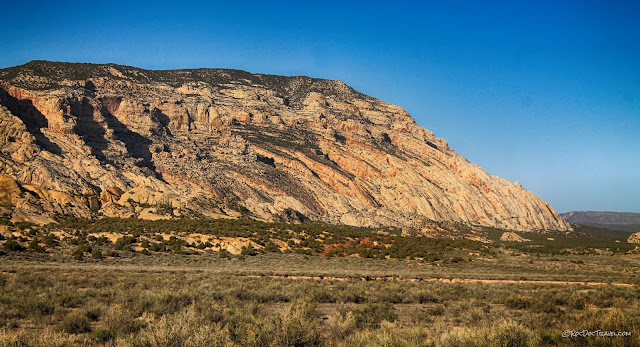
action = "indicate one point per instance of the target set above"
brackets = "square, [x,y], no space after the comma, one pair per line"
[546,93]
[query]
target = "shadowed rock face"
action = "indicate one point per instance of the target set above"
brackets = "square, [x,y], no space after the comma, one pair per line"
[81,138]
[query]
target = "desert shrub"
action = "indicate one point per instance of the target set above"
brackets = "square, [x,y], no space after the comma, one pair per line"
[49,239]
[321,294]
[96,254]
[93,312]
[389,335]
[119,322]
[390,294]
[157,247]
[124,242]
[182,329]
[271,247]
[210,311]
[504,333]
[518,302]
[424,297]
[610,320]
[419,315]
[75,323]
[371,314]
[176,248]
[297,327]
[45,338]
[250,251]
[13,246]
[34,245]
[169,302]
[339,326]
[102,335]
[353,295]
[545,306]
[78,254]
[437,310]
[78,240]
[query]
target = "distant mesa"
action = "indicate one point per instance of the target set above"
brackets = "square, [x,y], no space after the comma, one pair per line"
[99,140]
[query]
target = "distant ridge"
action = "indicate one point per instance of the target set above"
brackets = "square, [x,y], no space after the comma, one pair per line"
[627,221]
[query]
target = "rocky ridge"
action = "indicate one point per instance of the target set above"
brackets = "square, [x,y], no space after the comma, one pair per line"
[112,140]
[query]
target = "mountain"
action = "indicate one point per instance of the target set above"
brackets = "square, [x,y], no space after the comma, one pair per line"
[627,221]
[109,140]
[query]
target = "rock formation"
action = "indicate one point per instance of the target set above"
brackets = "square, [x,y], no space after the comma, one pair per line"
[512,237]
[634,238]
[91,140]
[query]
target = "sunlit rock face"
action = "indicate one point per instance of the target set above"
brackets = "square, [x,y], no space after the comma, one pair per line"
[91,140]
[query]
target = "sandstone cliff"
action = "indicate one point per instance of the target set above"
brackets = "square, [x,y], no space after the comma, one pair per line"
[90,140]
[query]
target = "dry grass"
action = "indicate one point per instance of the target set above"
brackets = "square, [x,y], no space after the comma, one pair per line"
[132,305]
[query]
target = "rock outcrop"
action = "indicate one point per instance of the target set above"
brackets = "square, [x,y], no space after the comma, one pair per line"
[512,237]
[634,238]
[89,139]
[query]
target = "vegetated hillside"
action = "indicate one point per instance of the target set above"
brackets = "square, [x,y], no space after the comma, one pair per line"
[627,221]
[93,140]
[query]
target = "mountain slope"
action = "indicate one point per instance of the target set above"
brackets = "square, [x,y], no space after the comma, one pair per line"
[90,139]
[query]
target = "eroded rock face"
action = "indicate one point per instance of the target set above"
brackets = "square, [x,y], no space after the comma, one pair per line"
[89,138]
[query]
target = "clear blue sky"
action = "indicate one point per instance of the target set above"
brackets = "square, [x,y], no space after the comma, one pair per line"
[542,92]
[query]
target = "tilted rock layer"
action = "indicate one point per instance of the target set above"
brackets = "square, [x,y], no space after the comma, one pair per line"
[89,140]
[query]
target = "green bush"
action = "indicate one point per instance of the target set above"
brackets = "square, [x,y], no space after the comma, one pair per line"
[102,335]
[124,243]
[250,251]
[78,253]
[13,246]
[75,323]
[577,301]
[518,302]
[157,247]
[370,315]
[96,254]
[34,245]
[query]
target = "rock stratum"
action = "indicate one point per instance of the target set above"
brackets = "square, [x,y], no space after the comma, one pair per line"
[108,140]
